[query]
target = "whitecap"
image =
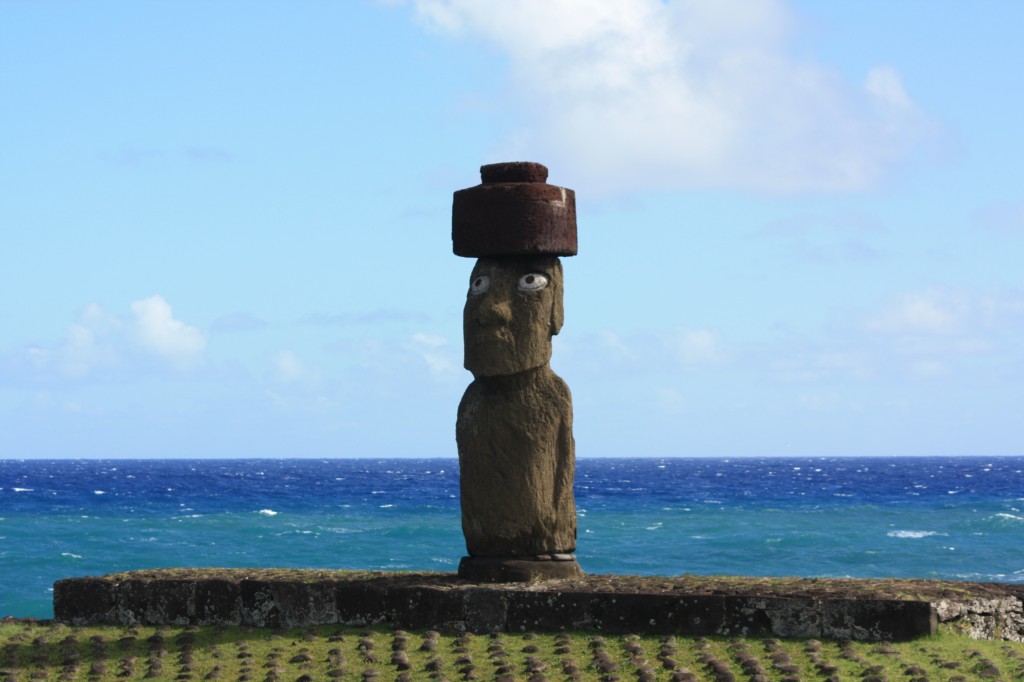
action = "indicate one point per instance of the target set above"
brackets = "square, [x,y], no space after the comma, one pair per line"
[70,555]
[912,533]
[22,490]
[386,506]
[268,512]
[656,526]
[1008,517]
[99,492]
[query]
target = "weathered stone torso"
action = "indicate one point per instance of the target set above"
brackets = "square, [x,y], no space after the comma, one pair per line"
[517,460]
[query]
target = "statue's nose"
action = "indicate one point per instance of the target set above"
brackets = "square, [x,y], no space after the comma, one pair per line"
[494,312]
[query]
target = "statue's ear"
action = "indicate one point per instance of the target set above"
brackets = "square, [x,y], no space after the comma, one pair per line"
[557,308]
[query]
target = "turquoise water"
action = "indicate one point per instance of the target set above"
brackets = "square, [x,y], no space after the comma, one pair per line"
[948,518]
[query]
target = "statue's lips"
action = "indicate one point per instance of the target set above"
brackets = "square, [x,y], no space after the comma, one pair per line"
[490,337]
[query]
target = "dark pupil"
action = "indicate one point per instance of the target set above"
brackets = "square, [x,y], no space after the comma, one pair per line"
[529,279]
[478,281]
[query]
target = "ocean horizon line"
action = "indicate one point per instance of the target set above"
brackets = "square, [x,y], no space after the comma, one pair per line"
[142,458]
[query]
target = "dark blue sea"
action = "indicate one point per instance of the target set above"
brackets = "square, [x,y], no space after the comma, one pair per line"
[954,518]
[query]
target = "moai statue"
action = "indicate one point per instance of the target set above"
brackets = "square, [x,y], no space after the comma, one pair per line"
[514,427]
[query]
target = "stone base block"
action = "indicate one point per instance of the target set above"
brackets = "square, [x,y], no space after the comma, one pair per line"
[560,599]
[514,570]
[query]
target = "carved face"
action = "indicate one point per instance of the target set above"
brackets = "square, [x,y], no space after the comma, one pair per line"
[513,308]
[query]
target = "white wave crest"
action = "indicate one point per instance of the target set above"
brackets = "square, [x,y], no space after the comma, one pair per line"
[268,512]
[912,533]
[1008,517]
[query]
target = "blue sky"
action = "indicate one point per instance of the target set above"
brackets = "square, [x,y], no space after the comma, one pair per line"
[225,226]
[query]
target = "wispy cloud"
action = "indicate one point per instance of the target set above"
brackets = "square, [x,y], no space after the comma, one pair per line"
[659,352]
[925,334]
[238,322]
[921,313]
[684,93]
[436,352]
[289,369]
[1006,217]
[382,316]
[829,237]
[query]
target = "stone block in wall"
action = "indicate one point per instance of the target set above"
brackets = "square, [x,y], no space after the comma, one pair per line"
[84,601]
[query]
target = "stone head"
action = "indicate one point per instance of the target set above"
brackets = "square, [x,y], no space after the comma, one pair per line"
[513,308]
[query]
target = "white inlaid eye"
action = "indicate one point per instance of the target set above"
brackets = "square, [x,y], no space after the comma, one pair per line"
[533,282]
[479,285]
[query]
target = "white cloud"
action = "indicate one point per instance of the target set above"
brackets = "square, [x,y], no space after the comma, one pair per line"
[429,340]
[99,342]
[885,84]
[159,332]
[928,334]
[434,351]
[288,366]
[618,94]
[289,369]
[697,347]
[926,313]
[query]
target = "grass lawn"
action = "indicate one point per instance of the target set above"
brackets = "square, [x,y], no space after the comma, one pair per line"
[50,651]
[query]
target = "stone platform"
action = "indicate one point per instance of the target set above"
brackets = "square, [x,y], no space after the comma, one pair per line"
[516,570]
[443,601]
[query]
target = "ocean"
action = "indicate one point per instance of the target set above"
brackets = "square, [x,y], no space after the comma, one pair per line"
[951,518]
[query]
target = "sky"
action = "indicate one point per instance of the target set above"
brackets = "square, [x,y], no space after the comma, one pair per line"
[225,226]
